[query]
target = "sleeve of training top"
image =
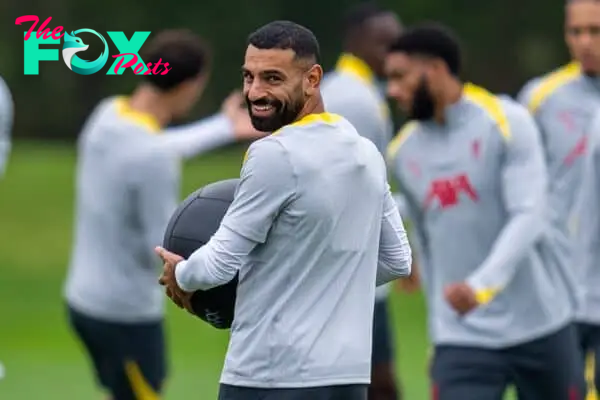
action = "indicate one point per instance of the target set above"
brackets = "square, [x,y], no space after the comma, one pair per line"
[198,137]
[214,264]
[524,188]
[157,192]
[394,251]
[6,123]
[267,185]
[418,240]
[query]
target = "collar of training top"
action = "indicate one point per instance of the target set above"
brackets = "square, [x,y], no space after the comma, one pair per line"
[325,117]
[141,118]
[350,64]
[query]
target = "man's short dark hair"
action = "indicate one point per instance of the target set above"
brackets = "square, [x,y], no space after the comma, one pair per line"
[187,54]
[357,15]
[284,35]
[431,40]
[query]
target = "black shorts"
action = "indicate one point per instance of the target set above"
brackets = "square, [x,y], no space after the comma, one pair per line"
[346,392]
[383,350]
[589,341]
[128,359]
[548,368]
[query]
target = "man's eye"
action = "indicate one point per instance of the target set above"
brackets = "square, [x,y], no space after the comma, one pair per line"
[273,79]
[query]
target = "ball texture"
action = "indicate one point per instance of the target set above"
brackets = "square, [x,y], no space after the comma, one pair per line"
[191,226]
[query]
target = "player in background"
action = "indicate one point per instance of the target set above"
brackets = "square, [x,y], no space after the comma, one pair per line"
[470,165]
[563,103]
[312,230]
[587,257]
[127,187]
[6,125]
[353,90]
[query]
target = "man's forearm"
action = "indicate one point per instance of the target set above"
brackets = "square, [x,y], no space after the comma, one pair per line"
[214,264]
[395,257]
[513,243]
[207,134]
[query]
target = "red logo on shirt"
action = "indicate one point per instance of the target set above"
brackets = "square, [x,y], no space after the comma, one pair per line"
[447,191]
[577,151]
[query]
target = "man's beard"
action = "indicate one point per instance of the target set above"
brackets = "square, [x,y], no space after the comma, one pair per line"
[283,113]
[423,106]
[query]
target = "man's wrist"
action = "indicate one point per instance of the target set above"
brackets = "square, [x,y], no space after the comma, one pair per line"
[182,276]
[225,123]
[483,293]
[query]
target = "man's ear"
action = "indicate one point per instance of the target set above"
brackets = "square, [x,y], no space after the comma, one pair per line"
[313,79]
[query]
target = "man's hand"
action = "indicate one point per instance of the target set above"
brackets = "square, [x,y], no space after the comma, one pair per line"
[167,279]
[233,107]
[461,297]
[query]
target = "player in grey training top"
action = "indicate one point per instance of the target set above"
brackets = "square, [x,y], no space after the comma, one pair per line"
[312,230]
[352,90]
[470,166]
[587,256]
[6,124]
[127,188]
[564,103]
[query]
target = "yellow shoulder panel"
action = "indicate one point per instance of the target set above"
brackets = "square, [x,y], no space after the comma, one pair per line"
[551,83]
[400,138]
[491,104]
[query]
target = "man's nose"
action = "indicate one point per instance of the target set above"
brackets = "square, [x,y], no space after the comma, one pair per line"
[585,40]
[255,91]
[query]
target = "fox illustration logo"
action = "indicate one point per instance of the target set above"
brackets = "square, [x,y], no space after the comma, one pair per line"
[73,45]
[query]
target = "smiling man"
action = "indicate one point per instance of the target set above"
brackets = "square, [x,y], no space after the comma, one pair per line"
[312,230]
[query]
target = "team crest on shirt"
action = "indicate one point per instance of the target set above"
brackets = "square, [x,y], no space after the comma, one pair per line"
[476,148]
[413,167]
[567,119]
[573,120]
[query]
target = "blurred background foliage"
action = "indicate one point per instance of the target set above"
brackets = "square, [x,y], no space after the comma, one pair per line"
[505,41]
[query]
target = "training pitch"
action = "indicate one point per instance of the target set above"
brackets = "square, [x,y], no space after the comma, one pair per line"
[40,359]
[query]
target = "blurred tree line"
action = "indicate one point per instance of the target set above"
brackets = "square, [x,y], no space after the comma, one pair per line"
[506,42]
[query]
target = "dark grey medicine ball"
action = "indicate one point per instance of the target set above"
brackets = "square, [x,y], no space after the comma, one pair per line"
[190,227]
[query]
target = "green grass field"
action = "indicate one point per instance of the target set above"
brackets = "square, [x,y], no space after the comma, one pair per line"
[43,361]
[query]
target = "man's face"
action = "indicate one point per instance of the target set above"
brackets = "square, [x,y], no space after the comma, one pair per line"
[409,82]
[275,87]
[582,34]
[379,34]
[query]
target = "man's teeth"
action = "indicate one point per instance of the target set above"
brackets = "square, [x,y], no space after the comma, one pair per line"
[263,108]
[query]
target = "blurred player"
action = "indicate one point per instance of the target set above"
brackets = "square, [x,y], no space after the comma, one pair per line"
[587,257]
[6,124]
[312,230]
[352,90]
[563,103]
[127,188]
[471,167]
